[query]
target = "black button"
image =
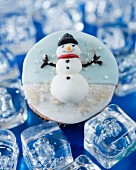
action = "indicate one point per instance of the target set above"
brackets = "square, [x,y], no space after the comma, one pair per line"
[67,67]
[67,61]
[67,77]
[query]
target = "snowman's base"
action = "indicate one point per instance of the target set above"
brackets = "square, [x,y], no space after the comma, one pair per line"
[72,90]
[49,108]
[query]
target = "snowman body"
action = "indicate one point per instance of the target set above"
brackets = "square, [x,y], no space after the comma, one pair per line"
[68,66]
[68,86]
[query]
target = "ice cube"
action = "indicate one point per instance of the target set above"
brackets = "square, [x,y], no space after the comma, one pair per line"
[12,104]
[48,13]
[103,11]
[46,147]
[110,135]
[119,40]
[17,31]
[127,75]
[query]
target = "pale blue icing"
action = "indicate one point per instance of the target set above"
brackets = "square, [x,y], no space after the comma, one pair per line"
[105,74]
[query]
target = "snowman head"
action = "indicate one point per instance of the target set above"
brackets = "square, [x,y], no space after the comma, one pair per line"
[68,45]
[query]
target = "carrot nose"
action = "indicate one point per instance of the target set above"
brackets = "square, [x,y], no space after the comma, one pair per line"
[68,48]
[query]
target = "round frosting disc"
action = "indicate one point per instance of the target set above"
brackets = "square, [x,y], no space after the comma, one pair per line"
[87,92]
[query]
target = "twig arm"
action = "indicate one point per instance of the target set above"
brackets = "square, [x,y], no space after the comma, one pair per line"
[95,60]
[47,62]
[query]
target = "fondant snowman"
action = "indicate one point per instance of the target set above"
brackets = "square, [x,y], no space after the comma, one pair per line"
[68,86]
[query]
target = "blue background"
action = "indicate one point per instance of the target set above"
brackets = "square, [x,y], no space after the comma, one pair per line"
[75,132]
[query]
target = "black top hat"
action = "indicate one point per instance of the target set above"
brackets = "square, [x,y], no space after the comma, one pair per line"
[67,38]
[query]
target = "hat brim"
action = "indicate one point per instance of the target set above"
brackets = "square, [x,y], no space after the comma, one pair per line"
[66,41]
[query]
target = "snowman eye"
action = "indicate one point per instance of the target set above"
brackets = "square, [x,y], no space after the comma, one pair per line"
[62,46]
[73,45]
